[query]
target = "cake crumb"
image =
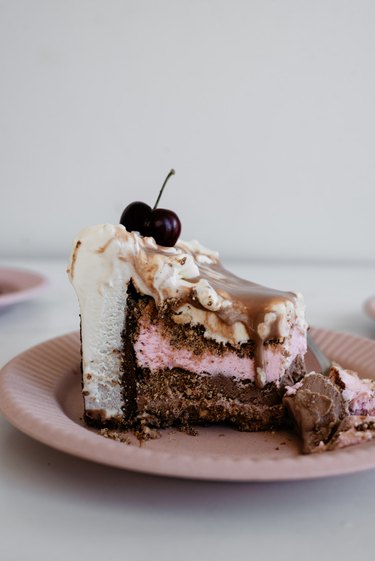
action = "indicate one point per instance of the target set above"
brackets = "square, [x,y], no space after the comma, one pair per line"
[146,433]
[142,434]
[188,430]
[115,435]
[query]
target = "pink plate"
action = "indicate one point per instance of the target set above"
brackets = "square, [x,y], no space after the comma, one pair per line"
[370,307]
[17,285]
[40,395]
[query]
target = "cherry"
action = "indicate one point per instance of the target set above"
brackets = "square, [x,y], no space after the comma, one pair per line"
[135,216]
[162,224]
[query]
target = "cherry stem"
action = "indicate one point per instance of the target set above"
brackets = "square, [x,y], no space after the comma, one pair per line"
[172,172]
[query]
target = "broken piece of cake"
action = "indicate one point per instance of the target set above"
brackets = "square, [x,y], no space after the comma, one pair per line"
[332,411]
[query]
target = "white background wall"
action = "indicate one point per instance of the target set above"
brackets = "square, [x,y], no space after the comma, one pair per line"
[266,109]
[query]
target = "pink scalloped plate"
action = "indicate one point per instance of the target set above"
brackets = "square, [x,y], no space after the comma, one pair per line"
[40,394]
[17,285]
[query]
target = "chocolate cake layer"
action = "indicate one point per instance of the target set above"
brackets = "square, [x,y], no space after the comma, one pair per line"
[177,397]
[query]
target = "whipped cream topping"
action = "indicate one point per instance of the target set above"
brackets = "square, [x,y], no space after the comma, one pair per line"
[161,272]
[188,277]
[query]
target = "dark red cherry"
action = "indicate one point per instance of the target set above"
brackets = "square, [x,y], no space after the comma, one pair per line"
[164,226]
[135,217]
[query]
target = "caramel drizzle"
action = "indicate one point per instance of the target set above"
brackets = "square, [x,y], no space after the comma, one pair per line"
[71,269]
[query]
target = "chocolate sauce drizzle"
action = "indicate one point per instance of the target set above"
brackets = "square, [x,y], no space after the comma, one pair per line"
[250,304]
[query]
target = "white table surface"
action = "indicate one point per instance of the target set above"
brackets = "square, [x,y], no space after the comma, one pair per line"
[56,507]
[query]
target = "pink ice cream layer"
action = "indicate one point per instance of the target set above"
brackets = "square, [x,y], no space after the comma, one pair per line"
[358,393]
[154,351]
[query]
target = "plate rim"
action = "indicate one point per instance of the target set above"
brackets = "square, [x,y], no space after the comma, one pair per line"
[85,443]
[40,283]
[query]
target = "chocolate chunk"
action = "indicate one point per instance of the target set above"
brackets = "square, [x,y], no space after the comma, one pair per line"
[316,407]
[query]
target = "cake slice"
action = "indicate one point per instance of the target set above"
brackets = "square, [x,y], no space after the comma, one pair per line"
[170,337]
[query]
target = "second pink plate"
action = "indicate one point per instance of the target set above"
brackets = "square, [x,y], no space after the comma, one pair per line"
[370,307]
[17,285]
